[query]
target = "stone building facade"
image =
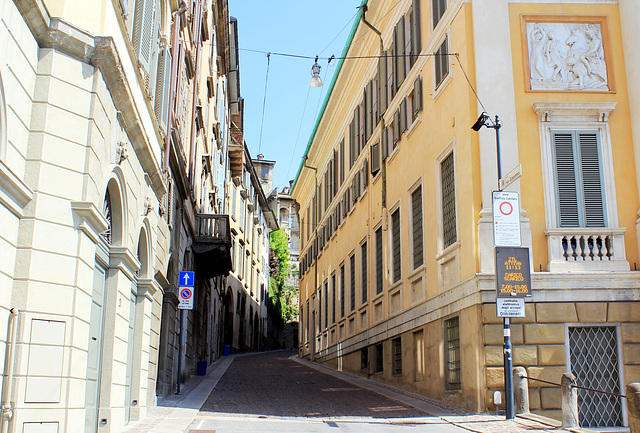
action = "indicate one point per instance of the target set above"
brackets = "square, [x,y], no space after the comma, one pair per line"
[395,192]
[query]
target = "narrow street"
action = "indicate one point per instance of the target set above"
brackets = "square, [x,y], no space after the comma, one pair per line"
[275,392]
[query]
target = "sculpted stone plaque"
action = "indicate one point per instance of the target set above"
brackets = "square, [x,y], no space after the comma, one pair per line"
[566,56]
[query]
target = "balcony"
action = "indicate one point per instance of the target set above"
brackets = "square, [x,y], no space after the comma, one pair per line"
[586,249]
[212,245]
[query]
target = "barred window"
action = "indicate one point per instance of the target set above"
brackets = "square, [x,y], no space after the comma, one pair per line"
[396,356]
[379,358]
[364,270]
[352,292]
[364,359]
[452,353]
[448,201]
[342,290]
[334,289]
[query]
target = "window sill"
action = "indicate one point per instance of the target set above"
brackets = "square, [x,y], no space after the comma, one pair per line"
[443,85]
[413,126]
[448,251]
[419,270]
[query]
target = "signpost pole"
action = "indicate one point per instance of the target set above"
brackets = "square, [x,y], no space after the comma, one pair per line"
[180,350]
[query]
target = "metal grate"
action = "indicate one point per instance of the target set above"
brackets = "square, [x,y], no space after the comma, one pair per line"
[448,201]
[594,362]
[452,351]
[396,356]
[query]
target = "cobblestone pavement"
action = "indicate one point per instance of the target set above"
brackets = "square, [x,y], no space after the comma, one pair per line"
[276,392]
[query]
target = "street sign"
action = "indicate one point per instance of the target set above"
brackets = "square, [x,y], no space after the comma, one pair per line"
[510,307]
[511,177]
[512,271]
[185,294]
[186,279]
[506,219]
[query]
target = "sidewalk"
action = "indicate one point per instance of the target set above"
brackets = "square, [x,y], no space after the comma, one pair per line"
[176,413]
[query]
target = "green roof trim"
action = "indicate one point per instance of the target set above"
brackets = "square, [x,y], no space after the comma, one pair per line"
[331,86]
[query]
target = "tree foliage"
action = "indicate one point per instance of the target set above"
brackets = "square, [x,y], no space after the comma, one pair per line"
[282,297]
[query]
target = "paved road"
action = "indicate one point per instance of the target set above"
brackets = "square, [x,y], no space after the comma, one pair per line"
[270,392]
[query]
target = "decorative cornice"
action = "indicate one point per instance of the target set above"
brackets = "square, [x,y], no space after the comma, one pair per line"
[147,287]
[122,258]
[587,111]
[91,221]
[14,193]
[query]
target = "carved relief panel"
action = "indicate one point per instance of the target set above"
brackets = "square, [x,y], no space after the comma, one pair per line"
[566,54]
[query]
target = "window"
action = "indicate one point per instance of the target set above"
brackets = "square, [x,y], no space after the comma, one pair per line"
[416,227]
[342,290]
[341,162]
[379,282]
[577,164]
[396,252]
[438,7]
[379,358]
[326,303]
[452,353]
[416,99]
[333,298]
[442,63]
[364,359]
[352,292]
[363,267]
[396,356]
[448,201]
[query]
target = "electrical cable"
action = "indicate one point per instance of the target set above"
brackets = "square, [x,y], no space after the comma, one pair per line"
[264,101]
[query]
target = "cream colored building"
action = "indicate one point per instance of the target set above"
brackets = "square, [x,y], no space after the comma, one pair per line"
[88,205]
[397,256]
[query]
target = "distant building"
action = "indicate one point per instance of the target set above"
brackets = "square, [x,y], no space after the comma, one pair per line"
[395,192]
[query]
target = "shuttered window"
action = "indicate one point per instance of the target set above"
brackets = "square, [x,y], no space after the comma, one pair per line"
[326,303]
[375,158]
[579,192]
[364,271]
[382,84]
[342,290]
[448,201]
[352,285]
[161,103]
[416,99]
[438,7]
[416,44]
[442,62]
[416,229]
[396,253]
[378,237]
[144,31]
[341,162]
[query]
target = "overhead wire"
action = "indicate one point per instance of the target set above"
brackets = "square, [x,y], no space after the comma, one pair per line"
[264,101]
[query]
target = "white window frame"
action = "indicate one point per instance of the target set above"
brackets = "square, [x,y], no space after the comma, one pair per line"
[417,184]
[396,207]
[579,116]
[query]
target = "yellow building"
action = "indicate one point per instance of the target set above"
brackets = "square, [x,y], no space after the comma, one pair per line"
[395,192]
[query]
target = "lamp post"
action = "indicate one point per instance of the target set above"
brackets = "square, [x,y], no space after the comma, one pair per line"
[485,120]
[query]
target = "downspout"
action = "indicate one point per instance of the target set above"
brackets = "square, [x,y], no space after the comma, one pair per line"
[315,234]
[7,408]
[172,87]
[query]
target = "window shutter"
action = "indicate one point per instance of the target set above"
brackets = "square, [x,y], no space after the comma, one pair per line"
[568,215]
[408,42]
[400,53]
[382,82]
[417,96]
[416,48]
[365,173]
[396,127]
[591,180]
[162,88]
[143,32]
[385,143]
[335,174]
[442,62]
[342,150]
[375,158]
[352,142]
[366,106]
[358,125]
[403,115]
[416,208]
[390,74]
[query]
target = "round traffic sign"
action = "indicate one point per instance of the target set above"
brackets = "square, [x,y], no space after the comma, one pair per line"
[185,293]
[506,208]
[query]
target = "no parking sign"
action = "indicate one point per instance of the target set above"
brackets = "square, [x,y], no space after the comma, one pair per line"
[185,294]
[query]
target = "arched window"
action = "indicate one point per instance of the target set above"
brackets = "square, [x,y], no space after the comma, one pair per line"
[106,211]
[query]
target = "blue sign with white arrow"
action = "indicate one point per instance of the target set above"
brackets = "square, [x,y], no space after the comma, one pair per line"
[187,278]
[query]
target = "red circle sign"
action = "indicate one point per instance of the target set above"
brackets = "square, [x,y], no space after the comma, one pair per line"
[185,293]
[508,207]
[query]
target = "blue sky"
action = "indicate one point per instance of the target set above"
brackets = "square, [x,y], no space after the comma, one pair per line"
[291,106]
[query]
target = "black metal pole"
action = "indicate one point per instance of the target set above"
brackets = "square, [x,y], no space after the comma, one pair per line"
[508,353]
[179,350]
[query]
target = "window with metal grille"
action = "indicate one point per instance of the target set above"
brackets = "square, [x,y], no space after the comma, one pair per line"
[452,353]
[379,260]
[438,7]
[379,358]
[364,270]
[396,253]
[593,353]
[396,356]
[416,227]
[333,298]
[342,290]
[364,359]
[447,174]
[352,278]
[442,62]
[579,192]
[326,303]
[319,308]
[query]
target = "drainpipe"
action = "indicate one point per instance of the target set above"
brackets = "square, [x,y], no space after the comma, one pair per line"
[7,408]
[174,81]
